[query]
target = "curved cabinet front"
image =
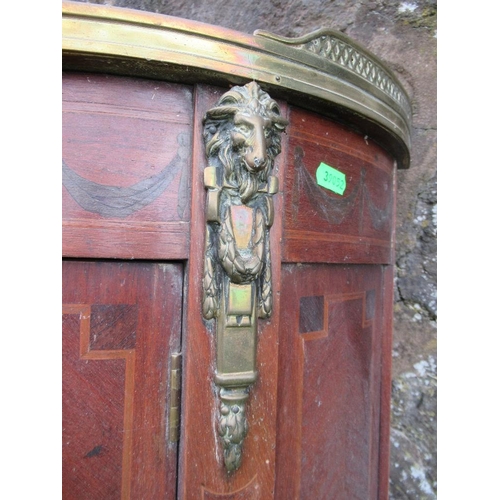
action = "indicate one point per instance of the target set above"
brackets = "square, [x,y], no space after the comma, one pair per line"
[139,220]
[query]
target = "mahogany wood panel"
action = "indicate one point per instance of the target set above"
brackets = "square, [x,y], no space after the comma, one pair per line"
[133,160]
[332,331]
[201,472]
[121,321]
[320,225]
[386,371]
[386,386]
[126,158]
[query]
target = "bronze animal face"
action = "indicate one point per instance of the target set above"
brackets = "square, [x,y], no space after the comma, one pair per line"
[252,137]
[242,135]
[242,138]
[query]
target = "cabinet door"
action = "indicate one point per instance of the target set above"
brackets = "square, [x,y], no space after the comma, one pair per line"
[121,323]
[333,358]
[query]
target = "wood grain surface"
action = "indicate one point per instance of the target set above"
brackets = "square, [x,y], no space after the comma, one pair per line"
[330,382]
[133,160]
[116,347]
[202,472]
[321,225]
[126,154]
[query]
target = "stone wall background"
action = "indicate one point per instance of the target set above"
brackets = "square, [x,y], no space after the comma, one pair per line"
[404,35]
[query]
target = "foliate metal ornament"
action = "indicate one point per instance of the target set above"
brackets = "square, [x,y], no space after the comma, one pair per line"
[242,135]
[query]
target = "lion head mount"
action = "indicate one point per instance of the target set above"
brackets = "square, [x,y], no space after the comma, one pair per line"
[242,134]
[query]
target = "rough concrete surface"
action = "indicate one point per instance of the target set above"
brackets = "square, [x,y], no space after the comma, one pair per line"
[404,35]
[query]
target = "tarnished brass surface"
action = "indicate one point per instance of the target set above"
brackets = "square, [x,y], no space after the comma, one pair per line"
[324,71]
[175,396]
[242,136]
[335,49]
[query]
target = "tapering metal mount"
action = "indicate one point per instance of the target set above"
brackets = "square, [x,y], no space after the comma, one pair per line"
[242,135]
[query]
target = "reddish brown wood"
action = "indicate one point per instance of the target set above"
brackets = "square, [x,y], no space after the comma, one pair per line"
[202,471]
[250,491]
[386,385]
[319,419]
[121,321]
[126,154]
[329,382]
[320,225]
[386,372]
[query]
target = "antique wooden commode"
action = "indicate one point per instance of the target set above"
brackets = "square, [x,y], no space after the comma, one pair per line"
[228,244]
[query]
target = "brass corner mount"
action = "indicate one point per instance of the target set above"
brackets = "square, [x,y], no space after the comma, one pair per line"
[242,136]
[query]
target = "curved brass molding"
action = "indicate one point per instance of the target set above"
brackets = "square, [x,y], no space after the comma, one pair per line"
[340,50]
[242,136]
[323,71]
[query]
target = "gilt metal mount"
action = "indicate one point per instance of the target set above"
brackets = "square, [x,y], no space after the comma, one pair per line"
[242,135]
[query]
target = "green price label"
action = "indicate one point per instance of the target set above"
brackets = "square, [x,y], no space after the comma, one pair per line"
[331,178]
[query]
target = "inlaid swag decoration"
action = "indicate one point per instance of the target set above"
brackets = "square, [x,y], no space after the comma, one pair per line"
[336,209]
[118,201]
